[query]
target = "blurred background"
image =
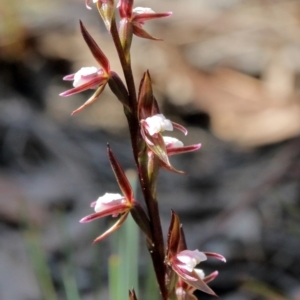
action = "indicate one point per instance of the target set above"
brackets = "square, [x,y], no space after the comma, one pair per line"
[229,70]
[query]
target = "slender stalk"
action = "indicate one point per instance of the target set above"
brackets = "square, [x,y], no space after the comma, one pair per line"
[157,249]
[140,154]
[125,65]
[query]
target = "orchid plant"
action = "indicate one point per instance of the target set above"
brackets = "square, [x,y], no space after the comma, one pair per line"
[174,265]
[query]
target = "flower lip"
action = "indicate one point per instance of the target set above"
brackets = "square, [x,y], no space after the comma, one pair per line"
[108,205]
[189,259]
[143,10]
[200,273]
[108,199]
[157,123]
[172,142]
[84,79]
[90,84]
[85,74]
[141,15]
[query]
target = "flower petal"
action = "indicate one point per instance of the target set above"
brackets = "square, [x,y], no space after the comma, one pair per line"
[120,176]
[184,149]
[96,51]
[215,255]
[69,77]
[184,295]
[86,74]
[125,8]
[182,242]
[117,209]
[200,273]
[106,10]
[192,279]
[173,236]
[158,147]
[125,33]
[87,4]
[140,32]
[142,10]
[180,127]
[147,105]
[142,17]
[172,142]
[191,258]
[111,229]
[210,277]
[156,124]
[184,274]
[202,286]
[109,200]
[90,84]
[90,101]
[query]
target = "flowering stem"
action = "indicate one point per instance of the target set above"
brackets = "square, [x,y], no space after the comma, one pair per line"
[175,269]
[140,154]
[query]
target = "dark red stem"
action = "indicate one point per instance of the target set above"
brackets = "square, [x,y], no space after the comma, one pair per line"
[125,66]
[140,155]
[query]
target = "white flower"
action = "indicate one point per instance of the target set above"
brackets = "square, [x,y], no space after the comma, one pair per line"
[158,123]
[108,199]
[190,259]
[200,273]
[143,10]
[172,142]
[84,75]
